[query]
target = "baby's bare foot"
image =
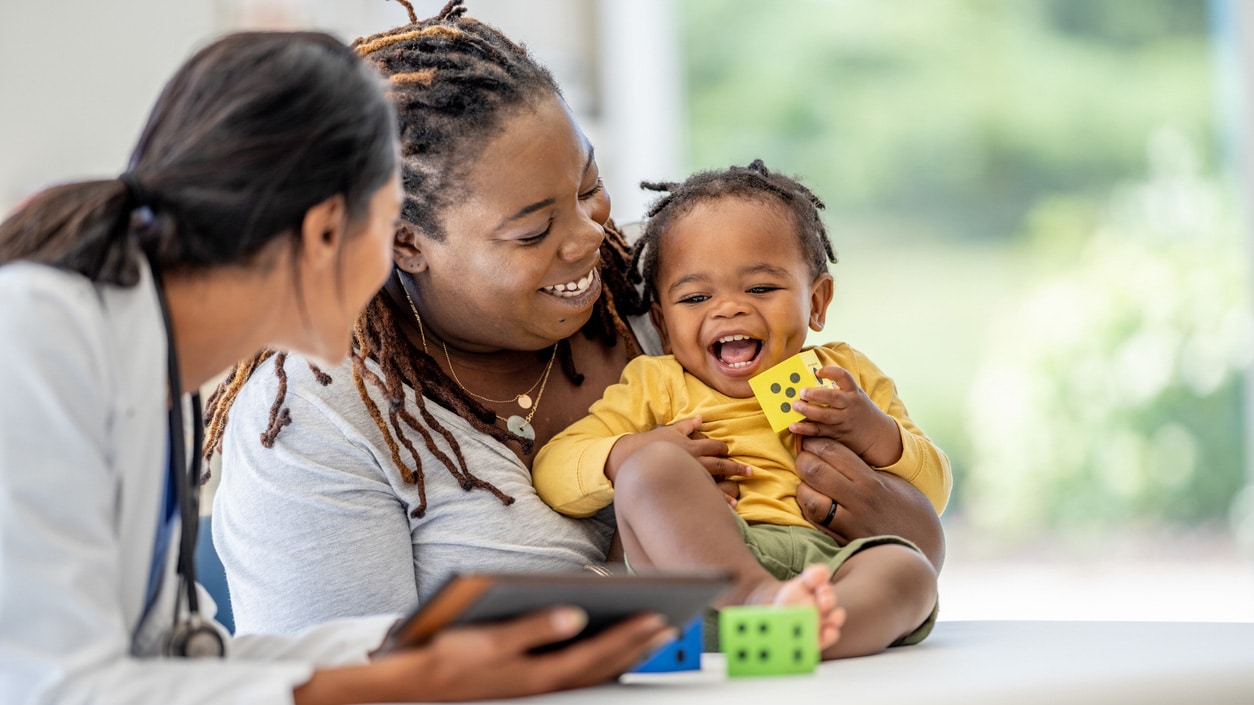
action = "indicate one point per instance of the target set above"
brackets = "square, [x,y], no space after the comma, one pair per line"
[811,587]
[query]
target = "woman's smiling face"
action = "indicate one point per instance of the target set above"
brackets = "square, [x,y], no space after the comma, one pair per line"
[735,294]
[518,266]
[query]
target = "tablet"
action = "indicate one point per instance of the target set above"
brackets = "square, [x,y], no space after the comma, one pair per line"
[476,598]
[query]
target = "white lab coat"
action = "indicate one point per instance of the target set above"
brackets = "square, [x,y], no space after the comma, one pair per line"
[82,477]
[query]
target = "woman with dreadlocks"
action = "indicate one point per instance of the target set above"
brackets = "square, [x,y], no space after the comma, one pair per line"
[513,306]
[267,171]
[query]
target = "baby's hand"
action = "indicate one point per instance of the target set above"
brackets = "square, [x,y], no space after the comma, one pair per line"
[686,433]
[712,453]
[848,415]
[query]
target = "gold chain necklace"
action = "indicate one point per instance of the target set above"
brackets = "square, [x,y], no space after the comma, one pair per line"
[523,400]
[517,425]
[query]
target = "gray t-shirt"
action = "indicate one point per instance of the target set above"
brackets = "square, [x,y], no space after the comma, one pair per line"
[320,526]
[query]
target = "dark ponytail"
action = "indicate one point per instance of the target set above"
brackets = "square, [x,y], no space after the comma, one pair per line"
[74,226]
[251,132]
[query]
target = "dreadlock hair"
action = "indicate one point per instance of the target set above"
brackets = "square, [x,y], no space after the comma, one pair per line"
[455,82]
[754,181]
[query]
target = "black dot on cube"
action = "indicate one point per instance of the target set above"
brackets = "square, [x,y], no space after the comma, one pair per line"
[797,655]
[794,378]
[741,628]
[775,388]
[764,655]
[785,407]
[796,630]
[742,654]
[790,392]
[682,657]
[763,628]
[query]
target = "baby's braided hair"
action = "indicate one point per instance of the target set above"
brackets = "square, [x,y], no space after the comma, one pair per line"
[754,181]
[455,82]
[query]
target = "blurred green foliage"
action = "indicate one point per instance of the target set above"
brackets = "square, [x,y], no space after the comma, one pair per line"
[1112,393]
[1033,227]
[944,118]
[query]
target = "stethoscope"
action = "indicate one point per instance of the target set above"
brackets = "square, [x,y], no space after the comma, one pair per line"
[192,635]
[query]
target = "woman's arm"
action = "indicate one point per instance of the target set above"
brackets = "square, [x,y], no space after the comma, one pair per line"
[870,502]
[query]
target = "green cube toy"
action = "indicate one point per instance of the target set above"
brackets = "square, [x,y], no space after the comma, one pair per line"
[769,641]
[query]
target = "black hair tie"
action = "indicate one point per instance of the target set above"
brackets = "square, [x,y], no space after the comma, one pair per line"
[135,192]
[142,224]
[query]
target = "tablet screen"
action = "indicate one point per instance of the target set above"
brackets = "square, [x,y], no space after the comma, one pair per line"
[477,598]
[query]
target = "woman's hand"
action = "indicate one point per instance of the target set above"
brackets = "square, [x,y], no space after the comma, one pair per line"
[868,502]
[494,661]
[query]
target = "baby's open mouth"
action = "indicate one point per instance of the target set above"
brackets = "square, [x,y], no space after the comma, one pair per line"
[736,351]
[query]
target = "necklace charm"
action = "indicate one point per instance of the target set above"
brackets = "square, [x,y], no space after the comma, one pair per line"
[516,424]
[520,427]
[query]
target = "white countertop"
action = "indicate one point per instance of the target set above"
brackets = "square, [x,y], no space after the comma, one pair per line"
[1003,662]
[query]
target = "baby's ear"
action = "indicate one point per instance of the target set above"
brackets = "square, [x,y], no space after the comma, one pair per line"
[408,249]
[821,293]
[659,323]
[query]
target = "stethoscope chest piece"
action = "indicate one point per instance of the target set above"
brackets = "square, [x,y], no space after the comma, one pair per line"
[195,638]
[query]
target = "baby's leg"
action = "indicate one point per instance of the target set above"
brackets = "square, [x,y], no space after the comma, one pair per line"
[887,592]
[672,515]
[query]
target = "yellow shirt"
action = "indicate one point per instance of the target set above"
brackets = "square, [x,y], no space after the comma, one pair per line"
[569,471]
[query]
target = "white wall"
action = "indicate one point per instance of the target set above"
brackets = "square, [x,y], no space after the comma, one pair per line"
[642,86]
[78,77]
[1237,79]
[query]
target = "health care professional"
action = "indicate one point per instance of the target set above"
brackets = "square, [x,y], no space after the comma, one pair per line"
[267,172]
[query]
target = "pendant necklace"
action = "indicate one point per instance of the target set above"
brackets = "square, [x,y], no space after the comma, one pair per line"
[518,425]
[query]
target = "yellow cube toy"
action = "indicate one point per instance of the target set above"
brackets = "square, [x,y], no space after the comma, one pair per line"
[777,388]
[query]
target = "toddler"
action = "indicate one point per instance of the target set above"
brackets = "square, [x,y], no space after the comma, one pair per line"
[735,262]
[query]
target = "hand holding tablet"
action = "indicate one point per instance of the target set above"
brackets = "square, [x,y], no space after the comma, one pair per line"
[477,598]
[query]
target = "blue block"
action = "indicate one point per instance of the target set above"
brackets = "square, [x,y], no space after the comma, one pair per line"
[682,654]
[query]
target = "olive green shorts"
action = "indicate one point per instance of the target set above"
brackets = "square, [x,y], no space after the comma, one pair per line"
[786,550]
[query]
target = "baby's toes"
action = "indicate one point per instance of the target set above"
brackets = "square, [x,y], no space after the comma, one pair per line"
[829,627]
